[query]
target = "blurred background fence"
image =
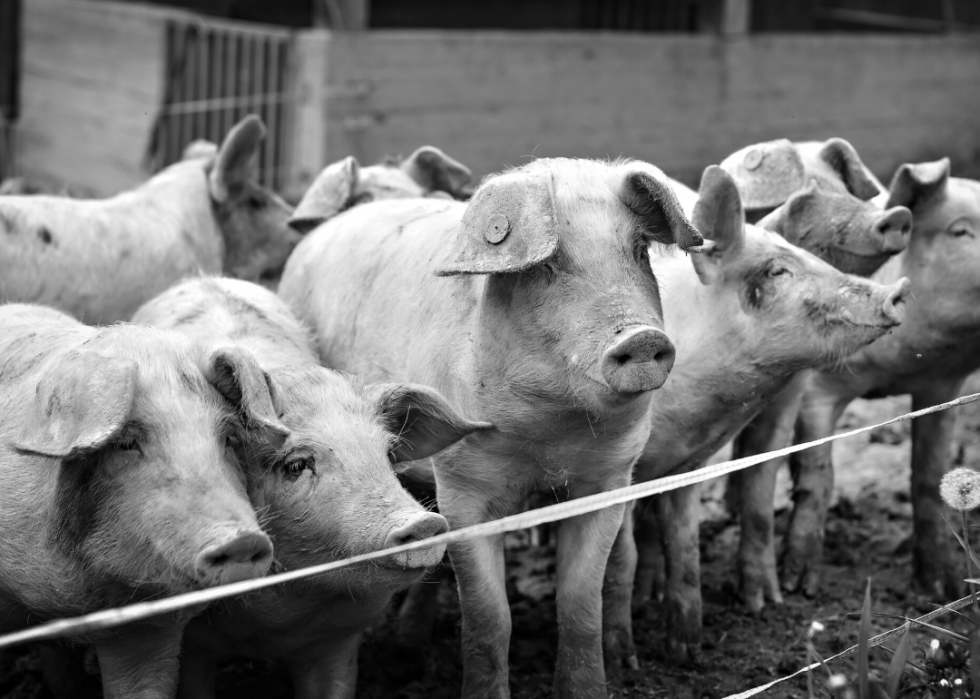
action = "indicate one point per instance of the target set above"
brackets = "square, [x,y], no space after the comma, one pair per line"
[111,90]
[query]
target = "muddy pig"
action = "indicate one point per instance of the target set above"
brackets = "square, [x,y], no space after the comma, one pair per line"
[120,481]
[765,310]
[101,259]
[426,172]
[836,218]
[532,307]
[929,357]
[328,493]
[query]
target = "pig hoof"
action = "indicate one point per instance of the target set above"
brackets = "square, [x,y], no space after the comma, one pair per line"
[682,652]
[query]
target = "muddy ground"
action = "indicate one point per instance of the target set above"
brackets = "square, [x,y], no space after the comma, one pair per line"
[867,527]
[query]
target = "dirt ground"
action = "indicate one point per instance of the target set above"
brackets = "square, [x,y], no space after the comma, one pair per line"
[867,527]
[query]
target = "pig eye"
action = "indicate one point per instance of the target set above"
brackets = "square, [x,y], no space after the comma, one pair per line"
[128,444]
[961,232]
[776,271]
[294,467]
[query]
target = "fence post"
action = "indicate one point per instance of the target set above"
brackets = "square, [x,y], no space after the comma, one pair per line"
[307,137]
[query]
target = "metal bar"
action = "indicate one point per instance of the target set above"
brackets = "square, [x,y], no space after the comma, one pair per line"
[272,119]
[254,89]
[886,21]
[231,73]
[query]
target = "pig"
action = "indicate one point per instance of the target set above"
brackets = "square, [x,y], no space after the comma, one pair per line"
[120,481]
[426,172]
[101,259]
[835,217]
[532,307]
[745,319]
[929,358]
[329,492]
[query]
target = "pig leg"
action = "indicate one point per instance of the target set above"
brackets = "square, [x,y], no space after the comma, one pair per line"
[417,614]
[934,566]
[756,486]
[140,661]
[813,484]
[649,583]
[678,515]
[584,543]
[326,670]
[617,594]
[197,674]
[479,566]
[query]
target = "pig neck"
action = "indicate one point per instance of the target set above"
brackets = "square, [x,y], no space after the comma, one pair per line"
[717,384]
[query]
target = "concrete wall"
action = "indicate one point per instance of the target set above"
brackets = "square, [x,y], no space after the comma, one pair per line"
[680,101]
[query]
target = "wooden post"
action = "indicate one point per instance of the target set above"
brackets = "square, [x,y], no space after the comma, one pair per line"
[357,14]
[307,145]
[736,16]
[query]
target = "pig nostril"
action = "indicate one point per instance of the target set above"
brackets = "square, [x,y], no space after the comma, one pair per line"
[625,359]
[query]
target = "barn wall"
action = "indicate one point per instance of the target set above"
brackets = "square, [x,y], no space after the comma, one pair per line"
[494,99]
[92,81]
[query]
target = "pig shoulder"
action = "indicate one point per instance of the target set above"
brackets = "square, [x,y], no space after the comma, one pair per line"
[376,257]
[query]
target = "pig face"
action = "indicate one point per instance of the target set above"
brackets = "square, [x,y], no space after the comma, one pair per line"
[785,307]
[149,493]
[426,172]
[944,253]
[830,212]
[565,243]
[253,220]
[329,491]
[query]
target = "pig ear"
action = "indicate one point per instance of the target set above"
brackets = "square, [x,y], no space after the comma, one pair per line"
[330,193]
[236,375]
[842,157]
[421,419]
[766,174]
[914,183]
[437,172]
[236,159]
[718,214]
[510,225]
[662,217]
[200,149]
[80,404]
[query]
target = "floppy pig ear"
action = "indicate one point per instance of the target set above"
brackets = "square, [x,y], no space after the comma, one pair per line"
[329,194]
[766,174]
[236,158]
[421,419]
[237,376]
[842,157]
[79,405]
[663,218]
[719,216]
[914,183]
[437,172]
[510,225]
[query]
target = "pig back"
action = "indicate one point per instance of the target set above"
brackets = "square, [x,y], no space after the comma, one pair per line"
[100,259]
[364,282]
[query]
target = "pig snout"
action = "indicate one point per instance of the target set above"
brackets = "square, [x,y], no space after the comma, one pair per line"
[639,360]
[240,556]
[893,227]
[417,527]
[894,305]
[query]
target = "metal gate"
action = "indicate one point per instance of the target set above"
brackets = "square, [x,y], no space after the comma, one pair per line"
[215,75]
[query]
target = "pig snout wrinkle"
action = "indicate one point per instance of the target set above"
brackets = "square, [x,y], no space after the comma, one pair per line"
[895,227]
[640,360]
[894,305]
[241,557]
[419,527]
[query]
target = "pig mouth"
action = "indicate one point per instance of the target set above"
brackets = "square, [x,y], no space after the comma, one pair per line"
[861,264]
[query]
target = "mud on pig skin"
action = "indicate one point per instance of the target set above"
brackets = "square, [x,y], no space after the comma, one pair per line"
[329,492]
[929,357]
[120,482]
[100,259]
[532,307]
[426,172]
[745,319]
